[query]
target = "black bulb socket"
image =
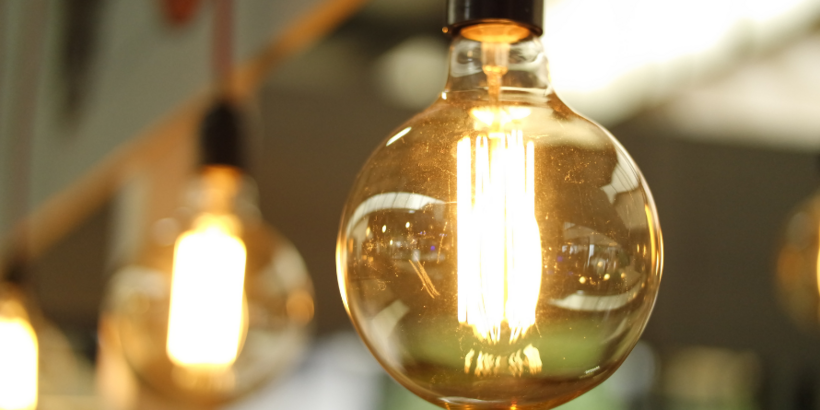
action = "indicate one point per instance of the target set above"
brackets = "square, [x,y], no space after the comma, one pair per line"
[15,270]
[221,137]
[463,13]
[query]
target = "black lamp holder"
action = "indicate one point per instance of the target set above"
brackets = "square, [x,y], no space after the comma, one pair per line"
[221,136]
[462,13]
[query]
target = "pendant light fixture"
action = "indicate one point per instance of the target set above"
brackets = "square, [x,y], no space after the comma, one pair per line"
[498,250]
[223,306]
[220,302]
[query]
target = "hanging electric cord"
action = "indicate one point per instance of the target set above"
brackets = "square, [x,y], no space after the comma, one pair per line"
[222,45]
[3,58]
[22,128]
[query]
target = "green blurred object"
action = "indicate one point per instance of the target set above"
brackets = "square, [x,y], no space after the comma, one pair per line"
[599,398]
[398,398]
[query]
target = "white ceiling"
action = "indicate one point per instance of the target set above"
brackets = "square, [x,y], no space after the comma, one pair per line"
[740,71]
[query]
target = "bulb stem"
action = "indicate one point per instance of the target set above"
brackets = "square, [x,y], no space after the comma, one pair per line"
[495,57]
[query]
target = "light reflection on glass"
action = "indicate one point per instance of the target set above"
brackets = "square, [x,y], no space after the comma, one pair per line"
[398,135]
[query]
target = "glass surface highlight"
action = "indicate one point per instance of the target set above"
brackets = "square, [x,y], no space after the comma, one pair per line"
[498,250]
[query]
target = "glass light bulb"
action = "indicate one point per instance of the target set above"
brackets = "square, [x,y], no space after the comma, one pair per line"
[499,251]
[798,264]
[19,351]
[218,304]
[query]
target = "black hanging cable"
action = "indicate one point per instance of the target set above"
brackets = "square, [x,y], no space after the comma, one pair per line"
[34,22]
[220,131]
[222,46]
[3,17]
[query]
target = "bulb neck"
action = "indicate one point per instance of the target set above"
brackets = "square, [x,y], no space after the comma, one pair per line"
[13,302]
[497,60]
[221,190]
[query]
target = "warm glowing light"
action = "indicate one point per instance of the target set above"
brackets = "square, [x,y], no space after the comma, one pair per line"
[18,365]
[206,322]
[499,245]
[500,117]
[524,360]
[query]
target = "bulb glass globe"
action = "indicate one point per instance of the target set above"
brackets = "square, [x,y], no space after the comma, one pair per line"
[218,304]
[498,250]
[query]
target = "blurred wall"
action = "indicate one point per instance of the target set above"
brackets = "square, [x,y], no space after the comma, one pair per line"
[81,78]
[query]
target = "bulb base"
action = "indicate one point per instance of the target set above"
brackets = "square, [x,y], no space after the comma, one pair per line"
[463,13]
[221,137]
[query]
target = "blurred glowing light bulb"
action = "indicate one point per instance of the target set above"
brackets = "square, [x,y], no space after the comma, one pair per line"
[18,356]
[499,250]
[220,302]
[798,264]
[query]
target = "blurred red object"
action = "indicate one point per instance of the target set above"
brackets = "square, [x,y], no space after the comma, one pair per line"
[179,12]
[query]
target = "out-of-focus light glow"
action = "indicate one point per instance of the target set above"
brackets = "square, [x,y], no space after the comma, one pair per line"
[18,365]
[499,246]
[409,74]
[767,10]
[769,103]
[206,321]
[611,58]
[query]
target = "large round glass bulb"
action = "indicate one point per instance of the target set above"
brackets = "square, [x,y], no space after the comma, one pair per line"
[498,250]
[218,304]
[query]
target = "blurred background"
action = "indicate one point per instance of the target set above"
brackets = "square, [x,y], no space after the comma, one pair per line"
[718,101]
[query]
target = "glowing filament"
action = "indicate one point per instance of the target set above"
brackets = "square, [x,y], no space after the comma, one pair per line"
[487,364]
[499,245]
[18,365]
[206,323]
